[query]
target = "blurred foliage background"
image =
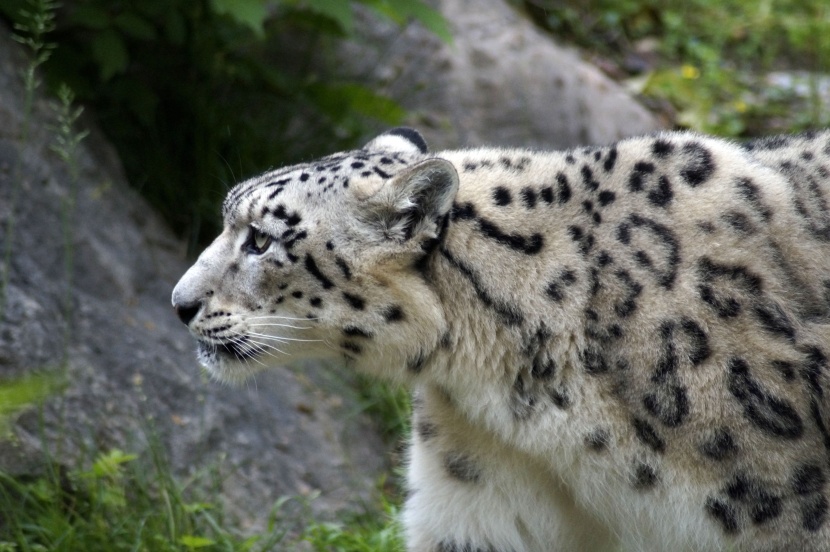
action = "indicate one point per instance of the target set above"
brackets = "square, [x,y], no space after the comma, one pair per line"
[196,94]
[729,67]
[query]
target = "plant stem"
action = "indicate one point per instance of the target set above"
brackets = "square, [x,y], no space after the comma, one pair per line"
[34,28]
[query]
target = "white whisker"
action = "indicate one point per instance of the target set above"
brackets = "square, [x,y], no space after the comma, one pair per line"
[241,340]
[281,338]
[259,350]
[282,326]
[275,316]
[255,359]
[262,347]
[252,372]
[247,358]
[259,345]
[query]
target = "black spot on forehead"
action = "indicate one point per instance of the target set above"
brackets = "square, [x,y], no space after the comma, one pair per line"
[330,175]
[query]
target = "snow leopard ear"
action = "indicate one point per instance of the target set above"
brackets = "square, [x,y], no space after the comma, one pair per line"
[401,139]
[414,202]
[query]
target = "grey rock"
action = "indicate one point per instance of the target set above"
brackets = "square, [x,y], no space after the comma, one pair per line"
[131,377]
[501,82]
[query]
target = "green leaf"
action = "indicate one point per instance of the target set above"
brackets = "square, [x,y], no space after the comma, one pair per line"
[110,53]
[195,507]
[400,11]
[109,464]
[339,11]
[113,496]
[251,13]
[193,542]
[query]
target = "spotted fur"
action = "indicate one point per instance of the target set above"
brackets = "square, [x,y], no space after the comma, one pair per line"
[616,348]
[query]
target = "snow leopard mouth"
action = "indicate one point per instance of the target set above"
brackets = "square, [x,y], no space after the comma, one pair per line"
[211,353]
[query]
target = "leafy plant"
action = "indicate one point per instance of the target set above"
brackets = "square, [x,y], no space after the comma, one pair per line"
[66,142]
[123,502]
[120,503]
[713,55]
[366,534]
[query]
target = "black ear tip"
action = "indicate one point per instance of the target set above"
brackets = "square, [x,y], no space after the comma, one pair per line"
[411,135]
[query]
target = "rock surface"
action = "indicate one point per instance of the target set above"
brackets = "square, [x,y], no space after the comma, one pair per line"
[501,82]
[129,364]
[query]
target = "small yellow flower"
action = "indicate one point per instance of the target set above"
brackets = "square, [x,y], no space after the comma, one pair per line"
[740,106]
[690,72]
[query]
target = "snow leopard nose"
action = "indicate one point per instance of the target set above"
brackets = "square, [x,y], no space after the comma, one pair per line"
[187,311]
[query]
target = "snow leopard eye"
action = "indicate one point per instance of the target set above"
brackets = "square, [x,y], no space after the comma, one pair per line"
[257,242]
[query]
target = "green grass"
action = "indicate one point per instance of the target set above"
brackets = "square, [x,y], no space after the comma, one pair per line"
[388,405]
[121,501]
[125,503]
[359,534]
[118,504]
